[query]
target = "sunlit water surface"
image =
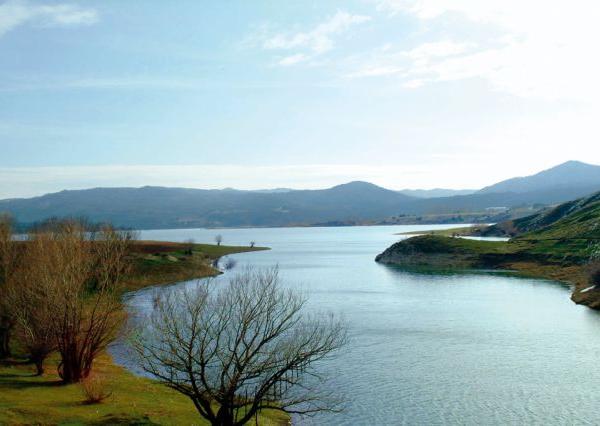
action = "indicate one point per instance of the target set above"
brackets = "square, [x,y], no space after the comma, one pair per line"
[469,349]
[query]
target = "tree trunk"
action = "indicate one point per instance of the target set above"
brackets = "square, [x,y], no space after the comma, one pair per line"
[224,417]
[4,341]
[39,367]
[70,370]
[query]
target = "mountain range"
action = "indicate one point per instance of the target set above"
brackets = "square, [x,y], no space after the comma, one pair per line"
[351,203]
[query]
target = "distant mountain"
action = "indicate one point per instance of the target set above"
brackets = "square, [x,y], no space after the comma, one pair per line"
[579,177]
[436,193]
[351,203]
[158,207]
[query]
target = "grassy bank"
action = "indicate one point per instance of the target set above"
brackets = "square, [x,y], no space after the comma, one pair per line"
[27,399]
[461,231]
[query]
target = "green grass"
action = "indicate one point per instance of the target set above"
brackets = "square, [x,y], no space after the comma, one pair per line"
[459,231]
[157,262]
[28,399]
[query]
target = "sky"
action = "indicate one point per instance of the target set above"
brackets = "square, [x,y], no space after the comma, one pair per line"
[301,94]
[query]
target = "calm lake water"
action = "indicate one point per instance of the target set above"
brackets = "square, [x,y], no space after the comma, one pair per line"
[468,349]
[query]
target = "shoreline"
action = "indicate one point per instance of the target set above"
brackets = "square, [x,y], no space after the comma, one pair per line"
[435,252]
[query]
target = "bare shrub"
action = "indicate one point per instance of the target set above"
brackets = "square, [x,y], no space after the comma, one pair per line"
[95,389]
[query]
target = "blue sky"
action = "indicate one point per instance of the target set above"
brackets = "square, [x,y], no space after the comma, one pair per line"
[306,94]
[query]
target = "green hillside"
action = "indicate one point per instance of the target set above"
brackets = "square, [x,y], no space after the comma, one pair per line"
[557,243]
[581,212]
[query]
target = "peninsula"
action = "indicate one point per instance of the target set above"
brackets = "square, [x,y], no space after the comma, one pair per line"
[560,243]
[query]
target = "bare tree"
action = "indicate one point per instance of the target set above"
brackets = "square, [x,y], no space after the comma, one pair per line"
[31,307]
[218,239]
[252,244]
[237,349]
[8,268]
[83,270]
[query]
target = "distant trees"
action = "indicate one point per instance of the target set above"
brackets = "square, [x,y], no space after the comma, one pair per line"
[218,239]
[245,346]
[189,246]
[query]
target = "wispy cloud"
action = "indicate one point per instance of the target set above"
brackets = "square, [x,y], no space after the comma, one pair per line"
[534,49]
[410,63]
[15,13]
[313,42]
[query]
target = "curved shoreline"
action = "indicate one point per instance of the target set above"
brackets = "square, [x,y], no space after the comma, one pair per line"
[445,253]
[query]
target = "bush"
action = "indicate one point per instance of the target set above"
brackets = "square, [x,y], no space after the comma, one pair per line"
[95,389]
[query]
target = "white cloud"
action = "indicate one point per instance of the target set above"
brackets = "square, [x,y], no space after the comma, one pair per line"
[293,59]
[313,42]
[440,49]
[409,63]
[15,13]
[546,51]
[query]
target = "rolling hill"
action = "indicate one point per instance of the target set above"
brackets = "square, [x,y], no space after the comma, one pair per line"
[351,203]
[575,176]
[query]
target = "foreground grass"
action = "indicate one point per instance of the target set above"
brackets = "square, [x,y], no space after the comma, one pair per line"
[28,399]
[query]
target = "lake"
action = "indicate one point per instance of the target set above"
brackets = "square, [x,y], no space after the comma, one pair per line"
[468,349]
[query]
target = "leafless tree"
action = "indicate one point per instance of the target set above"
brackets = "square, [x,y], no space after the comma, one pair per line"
[218,239]
[252,244]
[8,268]
[237,349]
[83,270]
[30,305]
[110,249]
